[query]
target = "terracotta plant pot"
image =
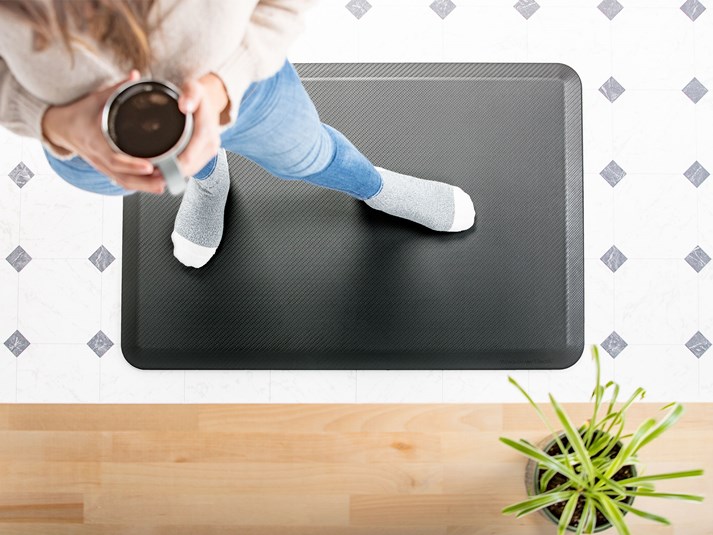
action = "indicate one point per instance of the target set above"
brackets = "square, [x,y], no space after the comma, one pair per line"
[533,474]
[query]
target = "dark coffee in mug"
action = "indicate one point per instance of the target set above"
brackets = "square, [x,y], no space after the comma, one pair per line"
[147,123]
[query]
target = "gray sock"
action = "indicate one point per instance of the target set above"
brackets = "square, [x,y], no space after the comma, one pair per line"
[198,228]
[436,205]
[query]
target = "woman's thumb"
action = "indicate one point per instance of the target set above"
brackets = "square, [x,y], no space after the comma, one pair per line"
[190,96]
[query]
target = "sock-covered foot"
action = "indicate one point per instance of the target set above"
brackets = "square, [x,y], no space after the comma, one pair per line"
[199,222]
[436,205]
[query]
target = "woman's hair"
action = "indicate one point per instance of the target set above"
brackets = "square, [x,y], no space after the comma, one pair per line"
[121,25]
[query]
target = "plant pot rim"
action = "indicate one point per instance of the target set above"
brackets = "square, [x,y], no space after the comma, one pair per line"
[532,476]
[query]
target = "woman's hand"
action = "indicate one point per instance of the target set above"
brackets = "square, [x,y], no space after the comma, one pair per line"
[77,127]
[206,98]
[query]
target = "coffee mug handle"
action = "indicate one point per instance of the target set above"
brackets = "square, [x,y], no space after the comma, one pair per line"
[175,181]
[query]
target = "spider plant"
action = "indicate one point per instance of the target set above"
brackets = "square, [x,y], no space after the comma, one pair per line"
[585,478]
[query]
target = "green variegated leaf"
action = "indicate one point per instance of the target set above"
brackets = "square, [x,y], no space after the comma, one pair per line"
[541,457]
[643,514]
[613,514]
[535,503]
[567,513]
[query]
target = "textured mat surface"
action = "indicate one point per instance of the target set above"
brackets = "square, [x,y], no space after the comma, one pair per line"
[310,278]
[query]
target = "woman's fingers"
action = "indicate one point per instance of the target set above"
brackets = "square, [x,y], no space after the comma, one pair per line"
[127,164]
[151,182]
[132,182]
[205,139]
[129,172]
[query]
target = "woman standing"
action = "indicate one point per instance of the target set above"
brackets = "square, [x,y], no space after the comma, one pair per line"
[60,60]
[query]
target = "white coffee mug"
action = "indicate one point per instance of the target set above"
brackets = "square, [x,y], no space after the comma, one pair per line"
[142,119]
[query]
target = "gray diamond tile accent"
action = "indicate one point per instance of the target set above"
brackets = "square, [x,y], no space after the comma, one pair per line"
[698,259]
[358,7]
[614,344]
[613,258]
[698,344]
[610,8]
[100,343]
[101,258]
[696,174]
[21,174]
[612,89]
[695,90]
[612,173]
[17,343]
[693,8]
[442,7]
[527,8]
[18,258]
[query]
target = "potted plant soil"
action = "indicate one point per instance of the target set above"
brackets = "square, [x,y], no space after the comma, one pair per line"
[585,479]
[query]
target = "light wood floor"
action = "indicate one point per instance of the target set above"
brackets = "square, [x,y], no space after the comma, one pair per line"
[353,469]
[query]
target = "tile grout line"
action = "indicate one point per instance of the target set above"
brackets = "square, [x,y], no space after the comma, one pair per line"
[586,257]
[613,193]
[17,327]
[443,40]
[17,310]
[101,298]
[527,40]
[661,344]
[698,211]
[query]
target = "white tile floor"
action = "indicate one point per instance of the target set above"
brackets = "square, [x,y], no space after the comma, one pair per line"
[655,301]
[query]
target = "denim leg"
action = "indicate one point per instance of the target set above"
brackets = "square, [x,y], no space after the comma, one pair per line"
[348,170]
[279,128]
[207,169]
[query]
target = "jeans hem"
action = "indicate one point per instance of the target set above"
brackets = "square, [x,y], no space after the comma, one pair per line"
[214,163]
[381,186]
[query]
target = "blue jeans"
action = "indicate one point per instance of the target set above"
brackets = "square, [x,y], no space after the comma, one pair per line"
[278,128]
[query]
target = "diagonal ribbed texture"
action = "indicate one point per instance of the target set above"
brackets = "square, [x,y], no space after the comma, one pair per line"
[310,278]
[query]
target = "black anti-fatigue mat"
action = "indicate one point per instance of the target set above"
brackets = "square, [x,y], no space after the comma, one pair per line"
[311,278]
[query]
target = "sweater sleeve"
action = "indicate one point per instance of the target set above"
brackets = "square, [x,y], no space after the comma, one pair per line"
[21,112]
[273,26]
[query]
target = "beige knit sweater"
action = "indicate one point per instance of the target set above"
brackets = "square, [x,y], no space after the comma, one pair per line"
[240,40]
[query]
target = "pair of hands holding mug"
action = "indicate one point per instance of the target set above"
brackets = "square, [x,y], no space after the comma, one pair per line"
[77,127]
